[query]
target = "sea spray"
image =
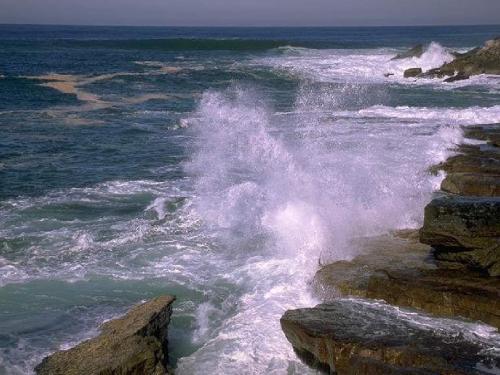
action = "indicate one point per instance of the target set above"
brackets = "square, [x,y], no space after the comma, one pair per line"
[357,66]
[285,193]
[253,191]
[434,56]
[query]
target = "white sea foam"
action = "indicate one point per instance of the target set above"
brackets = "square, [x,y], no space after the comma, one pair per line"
[368,66]
[49,236]
[281,199]
[433,57]
[458,116]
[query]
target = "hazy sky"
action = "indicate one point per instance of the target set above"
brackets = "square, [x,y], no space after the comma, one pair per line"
[251,12]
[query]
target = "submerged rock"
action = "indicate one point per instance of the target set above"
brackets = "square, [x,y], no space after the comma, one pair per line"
[464,230]
[363,337]
[416,51]
[412,72]
[135,344]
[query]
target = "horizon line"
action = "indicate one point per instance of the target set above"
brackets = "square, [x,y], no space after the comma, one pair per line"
[248,26]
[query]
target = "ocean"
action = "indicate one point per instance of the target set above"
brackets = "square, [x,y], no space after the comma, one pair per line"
[221,165]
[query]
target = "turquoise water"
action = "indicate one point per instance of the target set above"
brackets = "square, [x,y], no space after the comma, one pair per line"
[219,165]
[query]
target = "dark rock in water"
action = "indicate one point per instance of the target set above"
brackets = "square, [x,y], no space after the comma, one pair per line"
[412,72]
[460,76]
[400,272]
[388,74]
[472,184]
[464,230]
[416,51]
[437,73]
[133,345]
[468,53]
[485,60]
[365,337]
[489,133]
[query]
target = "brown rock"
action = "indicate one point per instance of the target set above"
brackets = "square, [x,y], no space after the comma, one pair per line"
[412,72]
[135,344]
[464,230]
[485,60]
[460,76]
[438,73]
[472,184]
[355,337]
[400,272]
[487,164]
[489,133]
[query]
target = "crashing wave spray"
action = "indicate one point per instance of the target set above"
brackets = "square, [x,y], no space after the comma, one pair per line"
[252,193]
[434,56]
[279,193]
[357,66]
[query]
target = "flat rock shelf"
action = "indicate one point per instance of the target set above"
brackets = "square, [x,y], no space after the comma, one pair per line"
[365,337]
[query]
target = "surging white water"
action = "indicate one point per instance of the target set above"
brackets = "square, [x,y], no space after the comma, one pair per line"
[253,195]
[367,66]
[434,56]
[281,192]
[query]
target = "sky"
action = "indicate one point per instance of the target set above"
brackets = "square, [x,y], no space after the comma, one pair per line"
[251,12]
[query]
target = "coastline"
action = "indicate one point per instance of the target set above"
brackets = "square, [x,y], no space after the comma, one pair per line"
[227,174]
[446,270]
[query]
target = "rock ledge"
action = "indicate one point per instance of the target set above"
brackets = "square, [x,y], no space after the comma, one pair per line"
[362,337]
[135,344]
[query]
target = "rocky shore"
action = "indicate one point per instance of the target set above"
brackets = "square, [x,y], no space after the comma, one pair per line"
[356,337]
[135,344]
[480,60]
[448,273]
[399,307]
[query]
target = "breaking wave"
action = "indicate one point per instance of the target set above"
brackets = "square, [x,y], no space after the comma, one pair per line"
[279,196]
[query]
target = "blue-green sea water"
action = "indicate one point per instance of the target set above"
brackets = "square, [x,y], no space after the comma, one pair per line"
[221,165]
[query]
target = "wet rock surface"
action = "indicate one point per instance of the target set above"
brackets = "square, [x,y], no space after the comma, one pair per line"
[471,164]
[453,273]
[481,60]
[472,184]
[464,230]
[135,344]
[402,272]
[464,227]
[460,76]
[485,60]
[489,133]
[412,72]
[366,337]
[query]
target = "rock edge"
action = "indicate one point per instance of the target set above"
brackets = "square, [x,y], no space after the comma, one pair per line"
[135,344]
